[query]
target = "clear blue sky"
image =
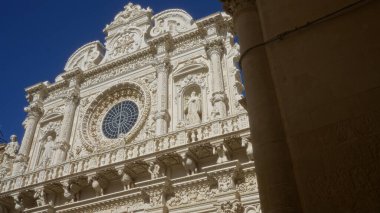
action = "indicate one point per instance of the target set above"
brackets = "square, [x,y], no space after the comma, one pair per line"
[38,36]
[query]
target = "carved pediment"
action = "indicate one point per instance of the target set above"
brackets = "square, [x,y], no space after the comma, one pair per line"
[86,57]
[130,14]
[173,21]
[190,66]
[124,42]
[126,32]
[51,117]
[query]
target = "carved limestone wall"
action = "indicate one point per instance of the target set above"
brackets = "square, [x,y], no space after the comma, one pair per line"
[176,156]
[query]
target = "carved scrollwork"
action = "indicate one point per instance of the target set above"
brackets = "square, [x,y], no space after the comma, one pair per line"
[86,57]
[123,43]
[173,21]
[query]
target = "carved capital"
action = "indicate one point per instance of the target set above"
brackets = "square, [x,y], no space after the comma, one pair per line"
[162,43]
[233,7]
[164,114]
[62,145]
[34,110]
[218,97]
[214,47]
[73,96]
[163,65]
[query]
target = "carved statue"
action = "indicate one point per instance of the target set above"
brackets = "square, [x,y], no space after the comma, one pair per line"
[125,179]
[48,151]
[71,191]
[96,186]
[12,147]
[40,196]
[98,183]
[19,204]
[189,164]
[221,151]
[245,142]
[193,109]
[154,170]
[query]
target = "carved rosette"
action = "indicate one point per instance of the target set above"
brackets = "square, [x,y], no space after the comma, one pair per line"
[91,129]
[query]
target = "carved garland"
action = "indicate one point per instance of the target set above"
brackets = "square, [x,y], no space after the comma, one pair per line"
[91,132]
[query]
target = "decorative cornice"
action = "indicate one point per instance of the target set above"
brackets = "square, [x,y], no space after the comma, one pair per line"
[208,20]
[74,73]
[36,88]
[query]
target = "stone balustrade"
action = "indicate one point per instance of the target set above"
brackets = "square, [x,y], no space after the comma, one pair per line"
[190,135]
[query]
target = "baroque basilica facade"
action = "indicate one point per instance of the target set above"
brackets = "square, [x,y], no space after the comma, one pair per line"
[148,122]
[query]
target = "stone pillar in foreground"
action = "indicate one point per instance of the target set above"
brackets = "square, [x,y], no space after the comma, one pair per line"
[215,51]
[71,104]
[277,185]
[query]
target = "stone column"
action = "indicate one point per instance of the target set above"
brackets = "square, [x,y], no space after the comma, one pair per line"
[72,100]
[35,112]
[162,116]
[215,51]
[277,185]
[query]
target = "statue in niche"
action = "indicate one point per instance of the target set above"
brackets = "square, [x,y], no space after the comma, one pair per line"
[12,147]
[48,151]
[193,109]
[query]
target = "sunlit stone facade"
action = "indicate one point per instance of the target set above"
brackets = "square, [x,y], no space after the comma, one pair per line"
[150,121]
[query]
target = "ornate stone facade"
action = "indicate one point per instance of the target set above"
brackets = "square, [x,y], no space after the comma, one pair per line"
[149,122]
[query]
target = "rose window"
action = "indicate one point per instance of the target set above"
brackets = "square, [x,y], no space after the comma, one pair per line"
[115,116]
[120,119]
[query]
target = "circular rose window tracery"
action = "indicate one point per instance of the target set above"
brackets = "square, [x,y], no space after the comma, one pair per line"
[120,119]
[115,116]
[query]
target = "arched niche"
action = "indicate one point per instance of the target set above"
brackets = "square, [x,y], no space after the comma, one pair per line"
[188,77]
[50,124]
[42,142]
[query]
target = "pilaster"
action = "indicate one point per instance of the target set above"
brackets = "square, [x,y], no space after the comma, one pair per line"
[74,78]
[214,49]
[162,116]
